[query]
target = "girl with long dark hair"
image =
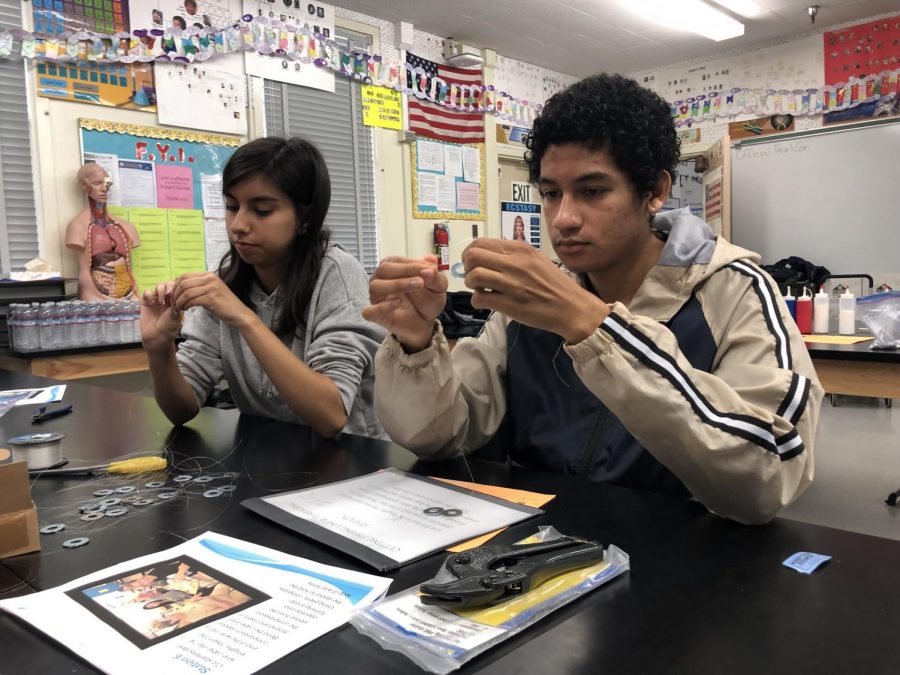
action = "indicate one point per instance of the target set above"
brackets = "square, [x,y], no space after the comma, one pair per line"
[280,319]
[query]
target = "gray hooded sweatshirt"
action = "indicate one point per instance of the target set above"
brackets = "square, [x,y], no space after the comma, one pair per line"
[336,341]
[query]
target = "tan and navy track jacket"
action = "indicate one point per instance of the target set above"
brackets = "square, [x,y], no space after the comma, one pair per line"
[702,386]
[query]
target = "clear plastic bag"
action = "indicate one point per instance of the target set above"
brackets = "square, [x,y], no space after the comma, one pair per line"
[440,640]
[881,313]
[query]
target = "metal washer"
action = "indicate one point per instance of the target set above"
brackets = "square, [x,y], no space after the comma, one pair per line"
[76,542]
[228,488]
[167,495]
[203,479]
[155,484]
[94,507]
[114,513]
[93,515]
[215,492]
[52,529]
[110,501]
[125,489]
[183,478]
[102,493]
[143,502]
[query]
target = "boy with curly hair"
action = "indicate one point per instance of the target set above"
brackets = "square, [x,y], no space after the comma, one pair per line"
[657,356]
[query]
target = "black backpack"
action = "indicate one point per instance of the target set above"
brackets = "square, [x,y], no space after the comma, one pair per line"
[459,319]
[794,273]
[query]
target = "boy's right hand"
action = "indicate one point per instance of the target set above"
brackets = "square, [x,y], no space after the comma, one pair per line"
[159,324]
[407,295]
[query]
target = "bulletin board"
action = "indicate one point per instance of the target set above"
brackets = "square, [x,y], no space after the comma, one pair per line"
[155,167]
[448,180]
[168,183]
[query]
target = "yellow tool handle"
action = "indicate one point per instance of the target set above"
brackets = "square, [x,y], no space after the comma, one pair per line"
[138,465]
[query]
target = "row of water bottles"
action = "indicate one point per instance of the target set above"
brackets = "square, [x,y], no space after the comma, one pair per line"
[73,323]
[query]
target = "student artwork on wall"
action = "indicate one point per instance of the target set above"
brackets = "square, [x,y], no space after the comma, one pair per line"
[83,79]
[118,85]
[862,57]
[448,180]
[320,20]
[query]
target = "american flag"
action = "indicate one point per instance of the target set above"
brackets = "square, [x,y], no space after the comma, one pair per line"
[442,122]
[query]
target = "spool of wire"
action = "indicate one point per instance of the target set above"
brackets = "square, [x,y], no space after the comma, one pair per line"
[38,451]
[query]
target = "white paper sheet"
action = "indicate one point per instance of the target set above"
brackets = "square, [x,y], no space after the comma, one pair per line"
[138,180]
[430,156]
[471,159]
[452,161]
[386,511]
[209,95]
[428,189]
[446,200]
[258,604]
[211,191]
[216,242]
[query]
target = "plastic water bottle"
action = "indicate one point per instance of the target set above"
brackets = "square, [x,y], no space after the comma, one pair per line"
[135,320]
[79,321]
[28,334]
[44,326]
[12,323]
[847,314]
[820,311]
[92,325]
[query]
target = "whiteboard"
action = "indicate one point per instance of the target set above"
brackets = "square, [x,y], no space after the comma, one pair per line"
[831,198]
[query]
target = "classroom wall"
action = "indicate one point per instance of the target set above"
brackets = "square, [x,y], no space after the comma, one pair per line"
[57,159]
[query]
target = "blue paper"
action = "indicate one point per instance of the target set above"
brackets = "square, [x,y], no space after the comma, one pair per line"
[805,562]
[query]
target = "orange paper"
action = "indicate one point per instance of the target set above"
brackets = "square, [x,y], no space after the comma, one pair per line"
[533,499]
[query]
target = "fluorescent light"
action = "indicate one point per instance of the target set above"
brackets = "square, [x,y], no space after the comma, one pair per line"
[689,15]
[745,8]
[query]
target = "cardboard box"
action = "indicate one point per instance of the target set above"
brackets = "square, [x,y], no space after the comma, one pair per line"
[18,517]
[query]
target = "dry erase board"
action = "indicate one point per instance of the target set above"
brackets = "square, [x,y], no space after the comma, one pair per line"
[829,197]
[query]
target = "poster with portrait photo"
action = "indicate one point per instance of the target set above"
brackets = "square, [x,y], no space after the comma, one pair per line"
[521,222]
[147,14]
[154,603]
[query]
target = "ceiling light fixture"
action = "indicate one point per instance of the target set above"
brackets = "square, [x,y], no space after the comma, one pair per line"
[694,16]
[745,8]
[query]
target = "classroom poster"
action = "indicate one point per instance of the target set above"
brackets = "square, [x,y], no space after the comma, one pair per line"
[84,80]
[521,222]
[210,95]
[382,107]
[318,16]
[853,53]
[172,243]
[147,14]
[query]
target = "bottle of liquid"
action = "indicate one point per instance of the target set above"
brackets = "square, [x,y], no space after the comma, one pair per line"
[847,314]
[791,303]
[805,312]
[820,311]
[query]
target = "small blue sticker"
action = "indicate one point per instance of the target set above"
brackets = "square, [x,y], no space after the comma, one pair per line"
[805,562]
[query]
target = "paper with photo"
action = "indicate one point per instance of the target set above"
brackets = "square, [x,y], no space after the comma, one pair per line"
[211,191]
[37,395]
[213,605]
[138,183]
[110,164]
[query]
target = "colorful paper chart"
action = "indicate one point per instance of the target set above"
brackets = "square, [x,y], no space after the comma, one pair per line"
[116,85]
